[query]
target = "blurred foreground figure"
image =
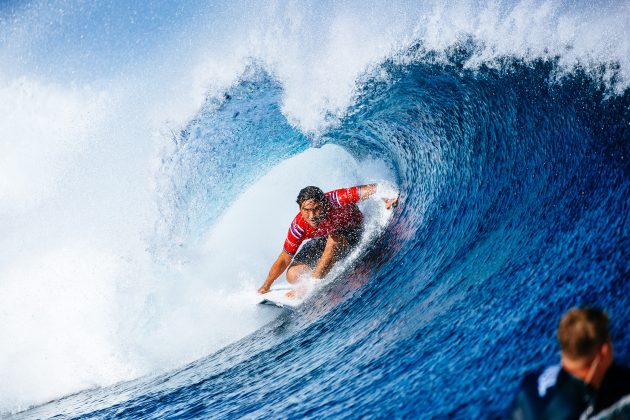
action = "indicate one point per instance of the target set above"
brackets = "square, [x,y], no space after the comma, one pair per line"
[586,383]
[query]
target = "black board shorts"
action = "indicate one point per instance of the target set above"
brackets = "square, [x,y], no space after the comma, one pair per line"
[311,251]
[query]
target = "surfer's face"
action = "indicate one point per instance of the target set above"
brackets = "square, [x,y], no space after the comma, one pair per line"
[313,212]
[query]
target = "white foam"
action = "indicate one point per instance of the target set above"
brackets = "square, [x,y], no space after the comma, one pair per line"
[318,51]
[56,324]
[44,126]
[585,35]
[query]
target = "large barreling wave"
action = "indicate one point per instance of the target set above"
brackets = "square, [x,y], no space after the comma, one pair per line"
[145,211]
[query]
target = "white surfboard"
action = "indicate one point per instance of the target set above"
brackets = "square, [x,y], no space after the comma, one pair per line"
[278,297]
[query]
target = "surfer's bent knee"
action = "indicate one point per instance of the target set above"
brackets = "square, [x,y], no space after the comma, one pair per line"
[295,271]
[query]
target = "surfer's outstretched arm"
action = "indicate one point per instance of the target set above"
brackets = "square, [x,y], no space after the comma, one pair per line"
[368,190]
[277,268]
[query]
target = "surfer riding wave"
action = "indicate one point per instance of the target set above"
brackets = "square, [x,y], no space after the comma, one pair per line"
[334,224]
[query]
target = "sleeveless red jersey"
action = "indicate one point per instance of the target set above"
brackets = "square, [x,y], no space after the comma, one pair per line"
[342,212]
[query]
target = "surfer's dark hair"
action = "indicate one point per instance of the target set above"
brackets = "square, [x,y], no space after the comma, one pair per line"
[310,193]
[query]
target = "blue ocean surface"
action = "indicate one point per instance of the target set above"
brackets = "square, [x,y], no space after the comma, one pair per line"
[514,182]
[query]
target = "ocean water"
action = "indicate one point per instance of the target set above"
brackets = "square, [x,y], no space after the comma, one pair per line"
[150,159]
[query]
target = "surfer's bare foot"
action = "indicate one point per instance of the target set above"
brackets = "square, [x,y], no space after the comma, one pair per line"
[291,294]
[263,290]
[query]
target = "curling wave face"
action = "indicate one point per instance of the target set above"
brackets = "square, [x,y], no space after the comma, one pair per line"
[513,193]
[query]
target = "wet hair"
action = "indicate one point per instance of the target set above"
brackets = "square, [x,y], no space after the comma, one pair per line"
[582,331]
[310,193]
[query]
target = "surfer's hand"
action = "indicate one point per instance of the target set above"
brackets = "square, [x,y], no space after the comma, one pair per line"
[263,290]
[392,202]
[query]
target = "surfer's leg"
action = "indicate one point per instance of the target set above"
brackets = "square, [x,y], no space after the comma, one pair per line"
[306,259]
[335,245]
[295,271]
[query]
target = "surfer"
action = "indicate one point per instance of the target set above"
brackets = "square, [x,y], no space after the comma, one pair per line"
[335,224]
[586,381]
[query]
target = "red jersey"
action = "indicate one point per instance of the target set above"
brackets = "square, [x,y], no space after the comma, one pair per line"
[342,212]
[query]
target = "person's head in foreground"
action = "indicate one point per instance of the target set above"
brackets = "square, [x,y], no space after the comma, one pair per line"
[585,346]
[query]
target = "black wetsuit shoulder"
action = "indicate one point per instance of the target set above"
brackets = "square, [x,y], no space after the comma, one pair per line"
[615,386]
[553,393]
